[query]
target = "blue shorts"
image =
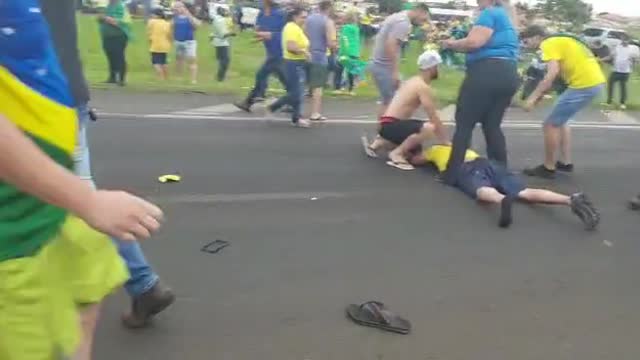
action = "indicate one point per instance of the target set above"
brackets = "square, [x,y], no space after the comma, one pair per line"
[481,172]
[570,102]
[383,78]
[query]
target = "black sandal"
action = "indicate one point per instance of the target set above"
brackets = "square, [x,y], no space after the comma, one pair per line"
[375,314]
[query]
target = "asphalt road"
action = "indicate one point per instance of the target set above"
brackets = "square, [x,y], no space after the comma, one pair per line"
[544,289]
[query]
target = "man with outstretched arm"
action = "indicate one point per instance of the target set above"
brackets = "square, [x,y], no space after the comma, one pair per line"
[491,182]
[397,130]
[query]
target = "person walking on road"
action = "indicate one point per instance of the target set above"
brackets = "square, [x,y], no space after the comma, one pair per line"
[385,61]
[148,295]
[115,29]
[296,54]
[321,31]
[572,60]
[269,24]
[624,57]
[220,40]
[184,28]
[490,83]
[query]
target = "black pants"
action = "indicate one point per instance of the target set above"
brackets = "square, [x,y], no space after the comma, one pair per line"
[223,57]
[622,78]
[485,95]
[114,47]
[270,66]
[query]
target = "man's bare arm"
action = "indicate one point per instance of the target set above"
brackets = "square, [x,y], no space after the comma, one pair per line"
[430,107]
[553,69]
[332,39]
[391,48]
[26,167]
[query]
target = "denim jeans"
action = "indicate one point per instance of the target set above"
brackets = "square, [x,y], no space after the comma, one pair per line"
[296,80]
[270,66]
[142,277]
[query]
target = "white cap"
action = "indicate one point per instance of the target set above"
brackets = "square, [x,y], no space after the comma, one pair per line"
[429,59]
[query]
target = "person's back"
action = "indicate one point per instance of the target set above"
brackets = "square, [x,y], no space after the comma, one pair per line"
[159,31]
[316,30]
[407,99]
[397,26]
[183,29]
[579,67]
[350,40]
[504,39]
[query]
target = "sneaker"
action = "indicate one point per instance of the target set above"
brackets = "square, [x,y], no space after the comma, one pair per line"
[302,123]
[318,117]
[560,166]
[540,171]
[634,203]
[506,217]
[584,209]
[623,107]
[145,306]
[243,106]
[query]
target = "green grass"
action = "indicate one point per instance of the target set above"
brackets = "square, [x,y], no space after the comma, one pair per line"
[246,57]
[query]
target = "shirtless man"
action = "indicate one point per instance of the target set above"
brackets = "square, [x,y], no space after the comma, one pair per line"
[397,130]
[487,181]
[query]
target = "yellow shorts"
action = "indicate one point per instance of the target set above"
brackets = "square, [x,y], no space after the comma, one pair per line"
[40,295]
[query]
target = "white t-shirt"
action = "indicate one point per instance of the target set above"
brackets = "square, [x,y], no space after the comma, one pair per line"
[623,57]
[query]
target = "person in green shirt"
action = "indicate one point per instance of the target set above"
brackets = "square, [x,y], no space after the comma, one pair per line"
[349,50]
[115,29]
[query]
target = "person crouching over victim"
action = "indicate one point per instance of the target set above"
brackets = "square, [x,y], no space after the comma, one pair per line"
[491,182]
[397,130]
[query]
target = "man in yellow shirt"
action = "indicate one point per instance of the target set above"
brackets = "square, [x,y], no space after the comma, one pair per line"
[159,33]
[572,60]
[491,182]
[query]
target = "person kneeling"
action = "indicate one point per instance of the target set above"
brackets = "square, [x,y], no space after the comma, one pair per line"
[487,181]
[397,130]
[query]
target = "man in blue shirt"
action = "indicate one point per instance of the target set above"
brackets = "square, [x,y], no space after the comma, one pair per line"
[269,24]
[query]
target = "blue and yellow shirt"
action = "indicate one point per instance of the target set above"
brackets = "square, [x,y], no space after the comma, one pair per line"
[35,96]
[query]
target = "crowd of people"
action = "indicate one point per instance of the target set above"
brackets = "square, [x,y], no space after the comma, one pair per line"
[55,263]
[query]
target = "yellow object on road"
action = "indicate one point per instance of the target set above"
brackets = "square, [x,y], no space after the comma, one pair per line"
[169,178]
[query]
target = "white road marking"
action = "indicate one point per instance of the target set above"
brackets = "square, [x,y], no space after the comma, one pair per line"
[353,121]
[229,198]
[210,110]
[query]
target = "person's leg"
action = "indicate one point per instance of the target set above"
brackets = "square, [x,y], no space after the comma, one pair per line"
[580,204]
[624,78]
[492,130]
[180,57]
[338,76]
[122,59]
[222,55]
[89,315]
[143,281]
[610,87]
[107,46]
[317,81]
[351,81]
[423,132]
[565,162]
[544,197]
[297,85]
[291,84]
[490,195]
[386,88]
[192,59]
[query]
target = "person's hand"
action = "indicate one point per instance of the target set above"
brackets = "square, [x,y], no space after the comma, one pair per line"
[447,43]
[396,79]
[529,105]
[121,215]
[110,20]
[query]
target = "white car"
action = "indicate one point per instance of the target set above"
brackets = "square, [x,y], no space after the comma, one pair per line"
[609,37]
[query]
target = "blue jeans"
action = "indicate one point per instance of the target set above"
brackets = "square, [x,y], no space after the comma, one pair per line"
[296,80]
[270,66]
[570,102]
[142,277]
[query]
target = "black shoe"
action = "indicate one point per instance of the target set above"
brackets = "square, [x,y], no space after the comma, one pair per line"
[560,166]
[110,81]
[634,203]
[145,306]
[244,106]
[506,217]
[584,209]
[540,171]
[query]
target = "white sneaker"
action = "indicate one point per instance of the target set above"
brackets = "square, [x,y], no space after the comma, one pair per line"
[623,107]
[303,123]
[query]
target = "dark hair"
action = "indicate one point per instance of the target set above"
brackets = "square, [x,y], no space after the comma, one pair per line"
[221,11]
[295,11]
[533,30]
[325,5]
[159,12]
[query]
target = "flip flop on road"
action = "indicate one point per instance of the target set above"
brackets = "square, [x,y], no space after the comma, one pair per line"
[367,149]
[375,314]
[402,165]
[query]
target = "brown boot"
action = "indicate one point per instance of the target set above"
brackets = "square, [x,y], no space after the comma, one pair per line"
[146,305]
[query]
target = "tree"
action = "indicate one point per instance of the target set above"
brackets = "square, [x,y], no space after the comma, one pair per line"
[570,15]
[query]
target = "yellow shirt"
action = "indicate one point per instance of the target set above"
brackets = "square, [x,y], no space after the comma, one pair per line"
[293,32]
[579,68]
[439,156]
[159,32]
[366,20]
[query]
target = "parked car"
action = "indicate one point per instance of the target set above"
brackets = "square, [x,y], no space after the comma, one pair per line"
[609,37]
